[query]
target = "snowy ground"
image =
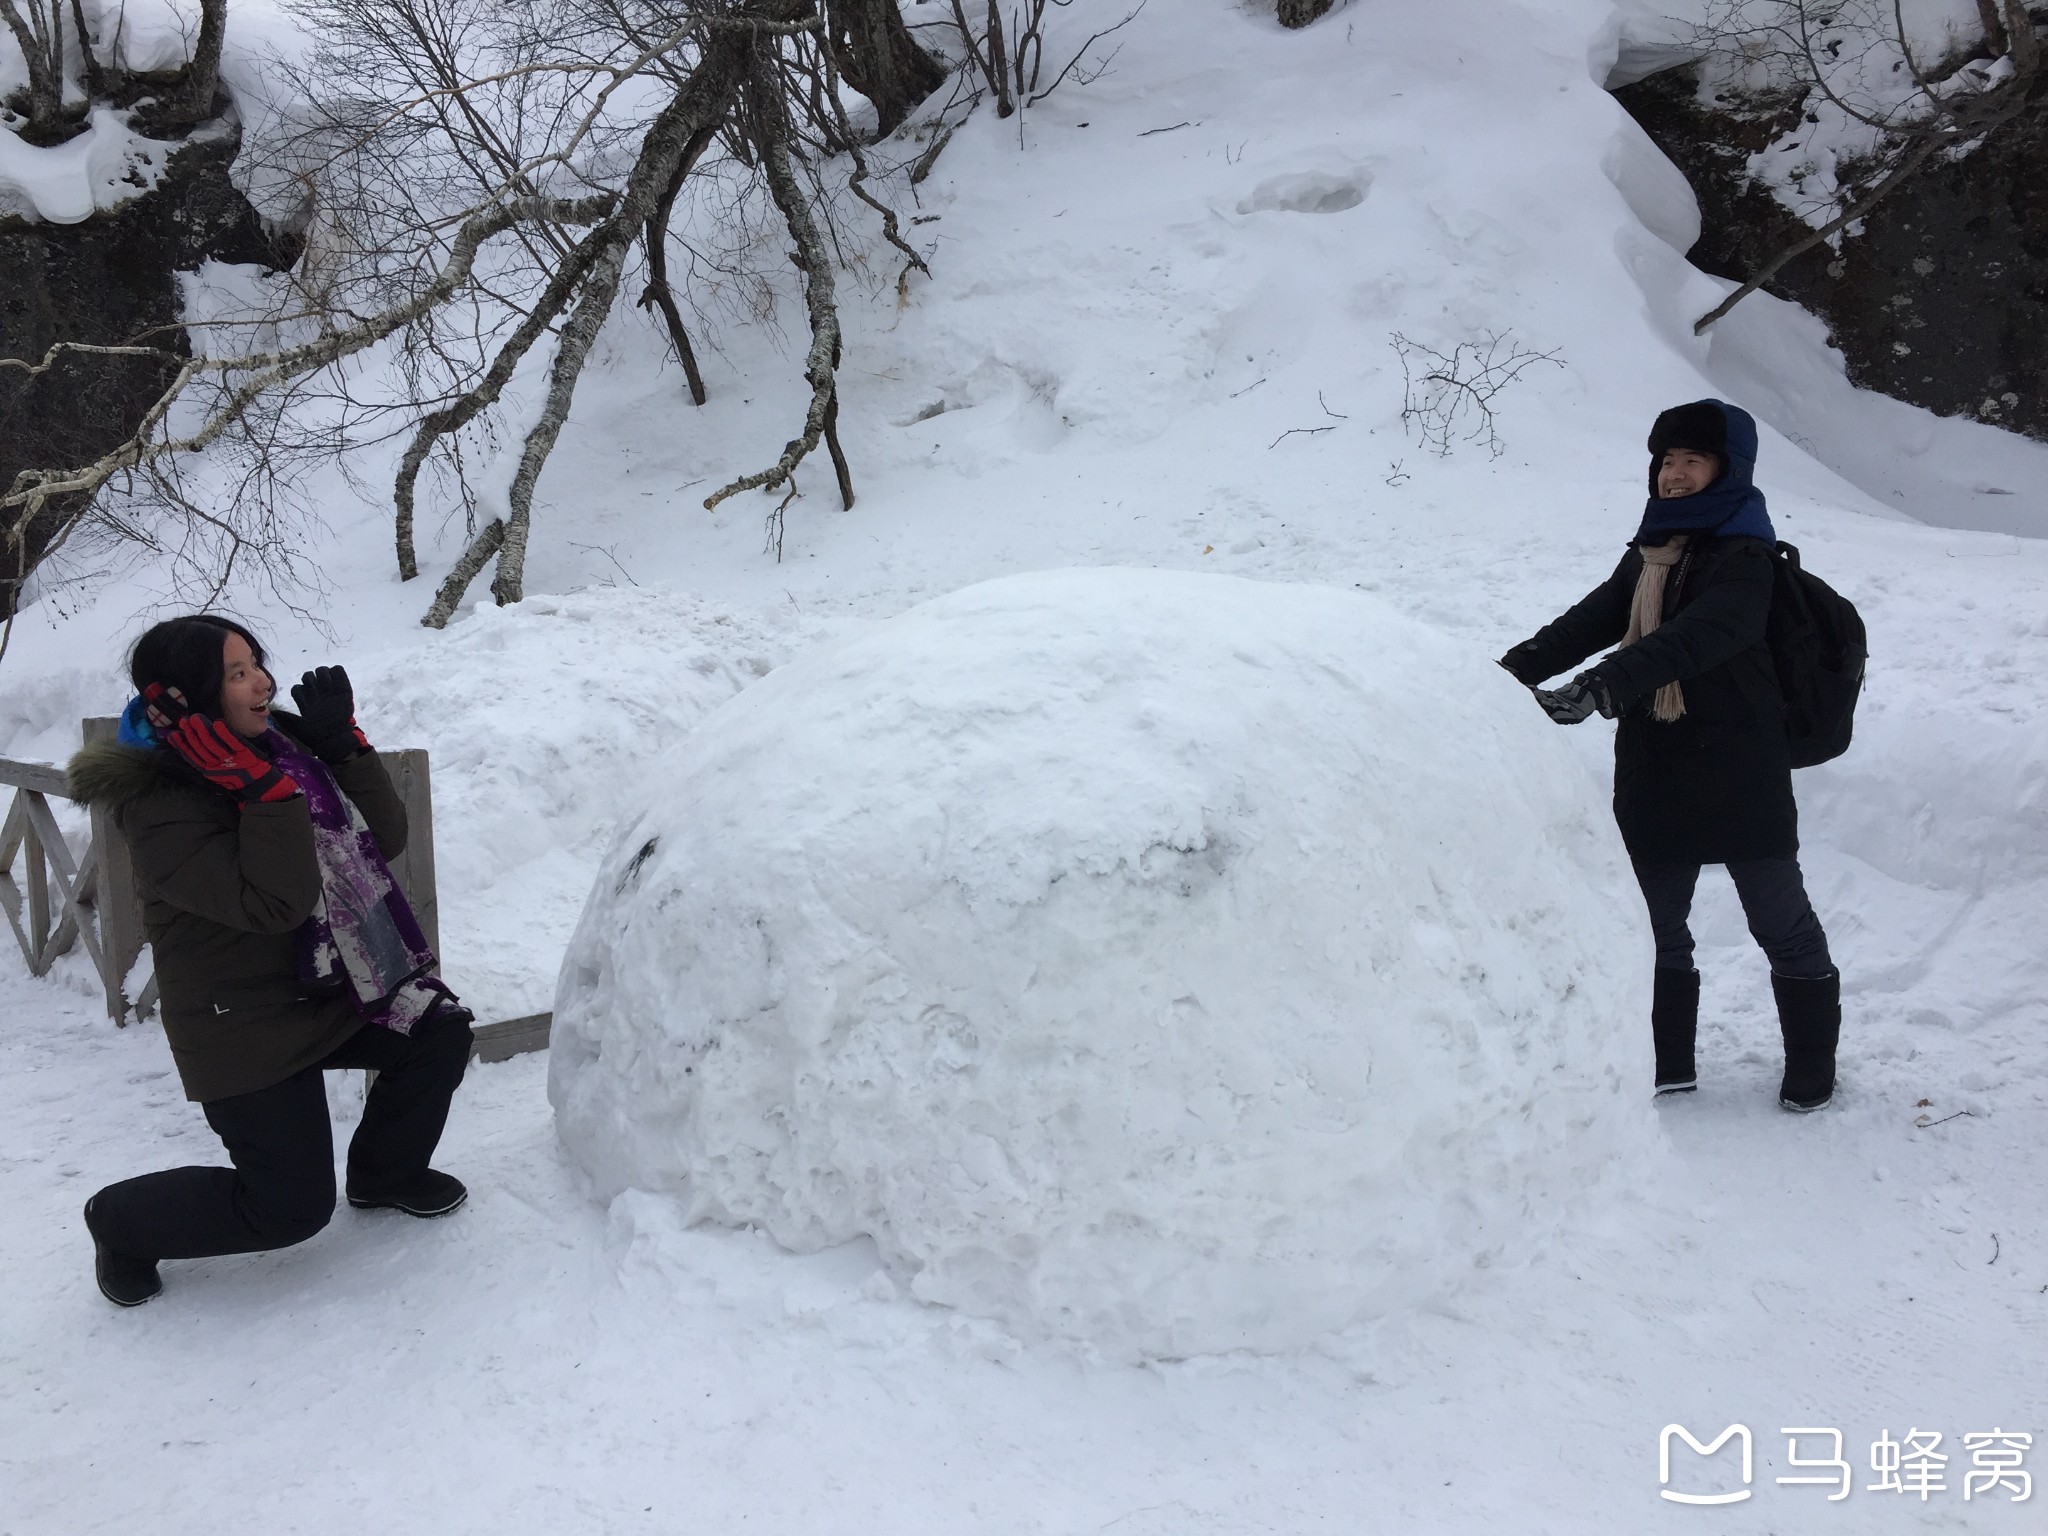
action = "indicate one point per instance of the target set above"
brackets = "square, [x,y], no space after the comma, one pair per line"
[1119,330]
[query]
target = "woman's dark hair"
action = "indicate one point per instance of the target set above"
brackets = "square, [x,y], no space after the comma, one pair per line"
[185,654]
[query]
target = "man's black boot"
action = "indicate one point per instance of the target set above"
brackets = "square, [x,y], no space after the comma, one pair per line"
[1810,1017]
[124,1280]
[1674,1020]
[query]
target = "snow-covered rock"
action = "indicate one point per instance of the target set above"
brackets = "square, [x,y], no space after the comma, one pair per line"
[1173,963]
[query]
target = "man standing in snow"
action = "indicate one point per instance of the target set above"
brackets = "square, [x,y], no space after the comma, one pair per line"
[1702,768]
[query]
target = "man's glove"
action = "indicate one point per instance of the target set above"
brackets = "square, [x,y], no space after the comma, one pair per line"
[1577,699]
[327,714]
[1521,662]
[229,761]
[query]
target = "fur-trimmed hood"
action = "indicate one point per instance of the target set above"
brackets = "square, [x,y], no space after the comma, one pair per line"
[111,775]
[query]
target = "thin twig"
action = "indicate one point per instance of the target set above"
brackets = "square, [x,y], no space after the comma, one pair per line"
[610,555]
[1038,96]
[1923,1123]
[774,524]
[1292,431]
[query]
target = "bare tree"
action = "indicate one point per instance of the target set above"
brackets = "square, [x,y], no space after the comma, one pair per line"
[879,58]
[1947,107]
[1009,65]
[195,97]
[38,28]
[479,178]
[176,101]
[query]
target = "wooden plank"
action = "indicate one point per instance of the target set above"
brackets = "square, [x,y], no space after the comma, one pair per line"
[12,833]
[102,902]
[38,879]
[13,830]
[10,907]
[414,869]
[514,1037]
[76,918]
[43,778]
[116,897]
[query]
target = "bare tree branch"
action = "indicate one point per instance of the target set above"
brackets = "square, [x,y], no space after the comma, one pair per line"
[684,130]
[659,293]
[452,418]
[465,570]
[1939,117]
[815,263]
[259,373]
[1919,156]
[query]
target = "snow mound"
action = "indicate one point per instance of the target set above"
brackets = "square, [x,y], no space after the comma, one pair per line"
[1171,963]
[103,167]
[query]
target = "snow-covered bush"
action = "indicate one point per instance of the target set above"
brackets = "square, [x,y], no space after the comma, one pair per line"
[1172,963]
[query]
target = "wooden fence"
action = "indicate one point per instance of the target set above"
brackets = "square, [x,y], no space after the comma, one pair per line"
[93,900]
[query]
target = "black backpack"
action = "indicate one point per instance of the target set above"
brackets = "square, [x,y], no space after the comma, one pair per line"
[1818,646]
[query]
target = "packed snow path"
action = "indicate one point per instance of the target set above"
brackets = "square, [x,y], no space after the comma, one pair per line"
[534,1363]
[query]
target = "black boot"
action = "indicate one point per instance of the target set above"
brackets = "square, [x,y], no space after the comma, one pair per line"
[1674,1018]
[1810,1017]
[124,1280]
[428,1193]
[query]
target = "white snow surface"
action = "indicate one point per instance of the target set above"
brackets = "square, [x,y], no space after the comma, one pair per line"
[1099,374]
[940,939]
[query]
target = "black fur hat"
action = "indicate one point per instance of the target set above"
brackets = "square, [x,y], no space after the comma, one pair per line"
[1700,426]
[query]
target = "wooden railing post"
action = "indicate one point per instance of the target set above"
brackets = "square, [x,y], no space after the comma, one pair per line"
[101,904]
[414,868]
[119,903]
[38,894]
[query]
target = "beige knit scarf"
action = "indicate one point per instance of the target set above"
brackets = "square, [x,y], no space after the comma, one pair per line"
[1647,612]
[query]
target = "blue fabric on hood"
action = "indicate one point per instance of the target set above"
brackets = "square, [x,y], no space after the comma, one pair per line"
[136,731]
[1732,507]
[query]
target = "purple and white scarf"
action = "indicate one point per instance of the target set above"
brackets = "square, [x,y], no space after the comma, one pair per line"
[363,933]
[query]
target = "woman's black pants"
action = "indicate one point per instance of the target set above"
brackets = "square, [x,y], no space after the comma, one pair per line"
[281,1189]
[1781,918]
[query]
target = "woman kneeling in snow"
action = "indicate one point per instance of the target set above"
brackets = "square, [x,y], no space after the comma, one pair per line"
[1702,767]
[283,948]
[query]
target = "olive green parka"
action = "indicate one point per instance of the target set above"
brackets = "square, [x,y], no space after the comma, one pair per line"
[224,890]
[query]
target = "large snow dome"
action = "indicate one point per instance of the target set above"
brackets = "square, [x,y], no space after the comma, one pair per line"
[1174,963]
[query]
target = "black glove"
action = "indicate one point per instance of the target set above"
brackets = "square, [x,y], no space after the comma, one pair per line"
[1577,699]
[327,715]
[1519,660]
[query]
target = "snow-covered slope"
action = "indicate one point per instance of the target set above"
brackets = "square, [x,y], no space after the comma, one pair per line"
[1123,327]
